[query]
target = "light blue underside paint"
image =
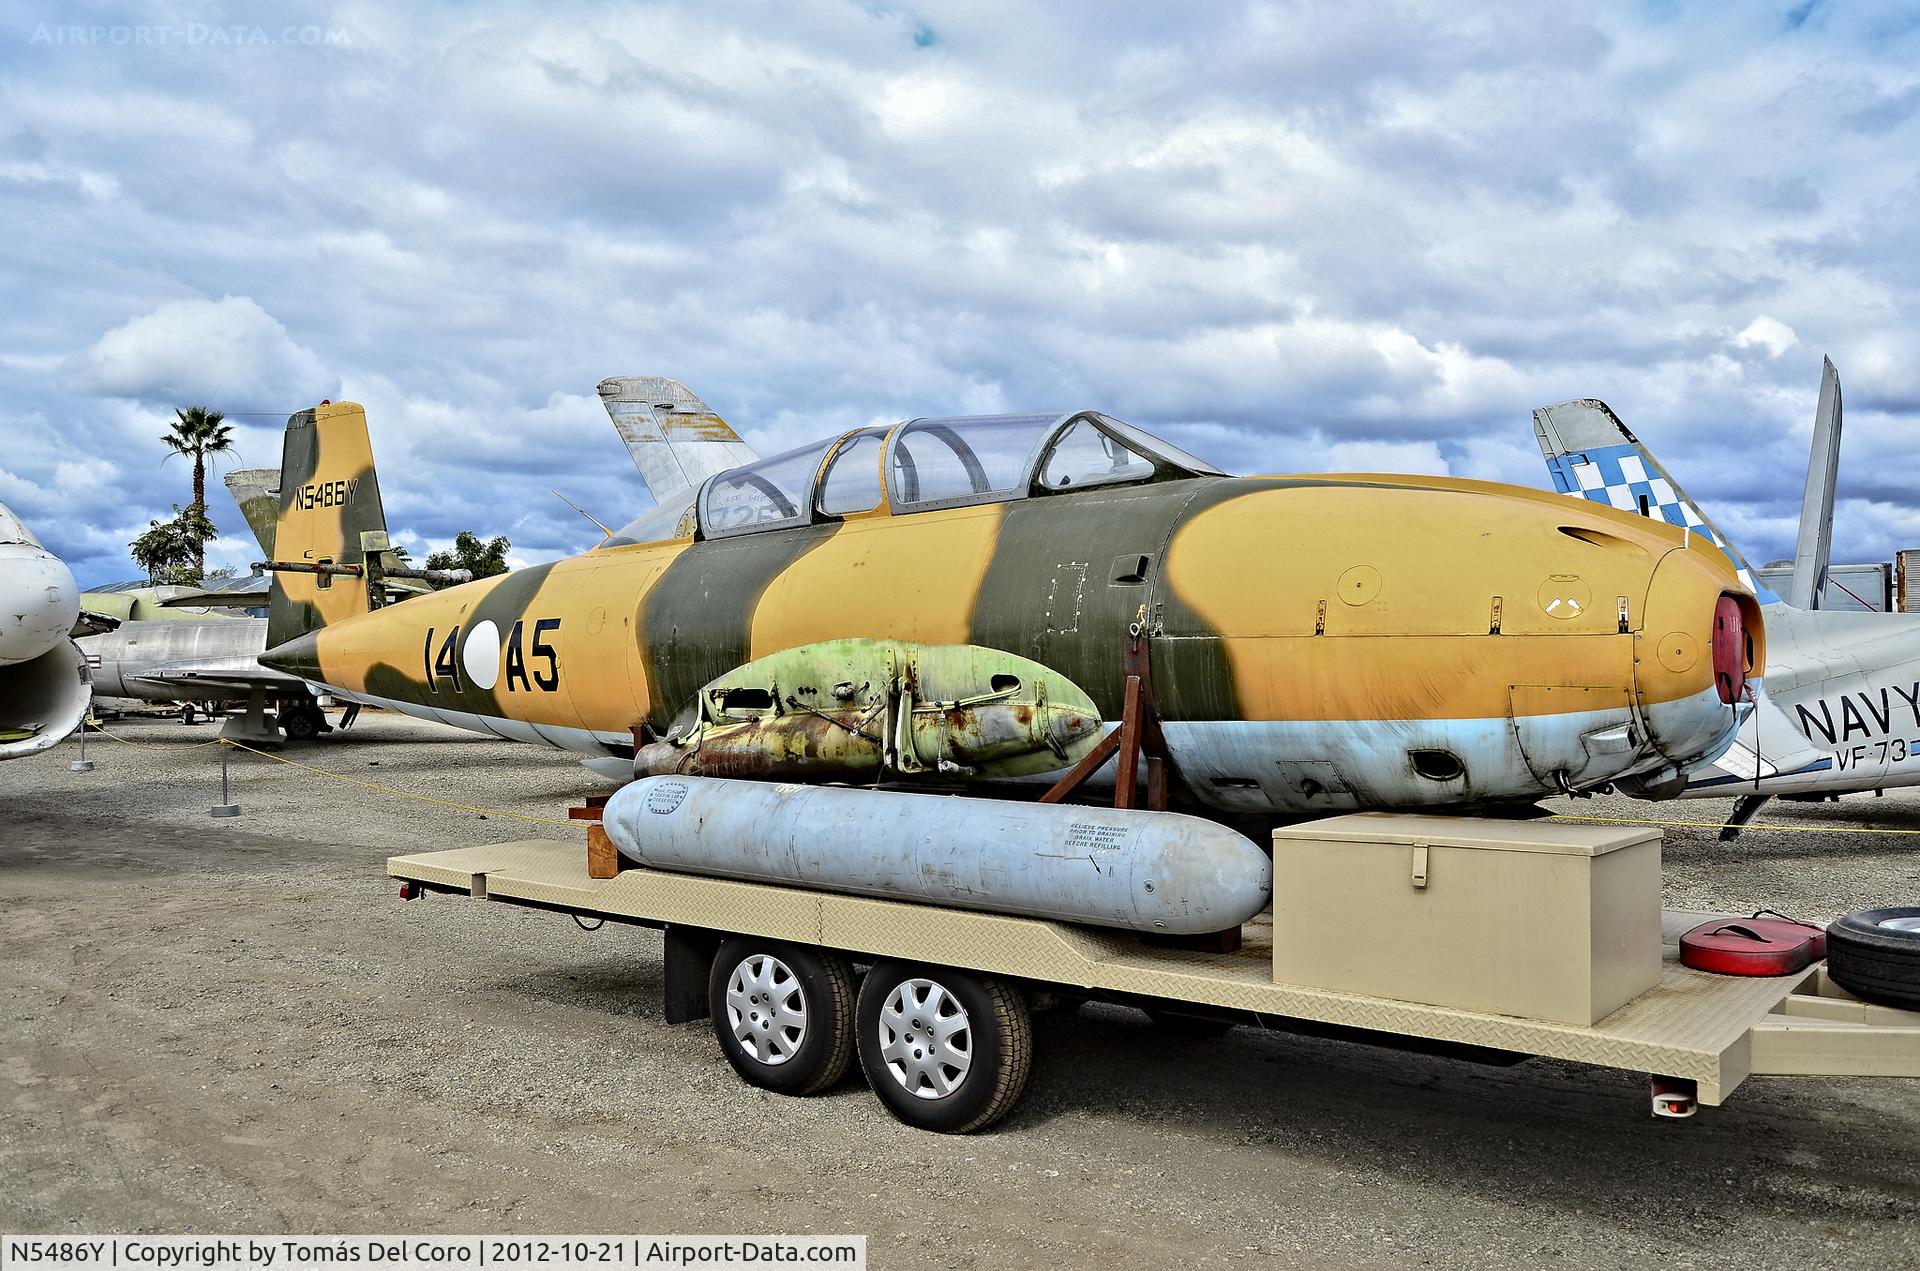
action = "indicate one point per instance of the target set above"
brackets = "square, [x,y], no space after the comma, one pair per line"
[1310,766]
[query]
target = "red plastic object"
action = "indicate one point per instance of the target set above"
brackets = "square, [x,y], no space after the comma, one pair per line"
[1729,651]
[1753,946]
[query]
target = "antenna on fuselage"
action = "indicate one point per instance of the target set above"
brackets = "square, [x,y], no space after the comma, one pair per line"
[583,512]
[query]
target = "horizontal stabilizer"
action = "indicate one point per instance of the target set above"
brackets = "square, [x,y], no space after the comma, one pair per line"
[1767,745]
[252,596]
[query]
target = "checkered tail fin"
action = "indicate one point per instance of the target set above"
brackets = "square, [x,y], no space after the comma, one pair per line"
[1592,455]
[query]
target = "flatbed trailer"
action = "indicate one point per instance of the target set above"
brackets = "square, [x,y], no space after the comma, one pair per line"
[734,949]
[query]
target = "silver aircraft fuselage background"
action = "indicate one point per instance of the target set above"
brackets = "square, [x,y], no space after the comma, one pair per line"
[1846,686]
[178,661]
[1838,709]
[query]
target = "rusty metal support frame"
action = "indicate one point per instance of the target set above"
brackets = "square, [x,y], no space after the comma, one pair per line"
[1138,738]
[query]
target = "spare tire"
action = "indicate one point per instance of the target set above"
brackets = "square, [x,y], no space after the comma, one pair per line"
[1875,955]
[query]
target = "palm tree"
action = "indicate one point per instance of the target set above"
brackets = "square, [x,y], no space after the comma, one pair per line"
[197,433]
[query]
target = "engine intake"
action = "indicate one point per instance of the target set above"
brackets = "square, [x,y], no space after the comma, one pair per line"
[43,700]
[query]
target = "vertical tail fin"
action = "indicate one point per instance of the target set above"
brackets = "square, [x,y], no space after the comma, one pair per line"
[1590,453]
[257,491]
[675,439]
[330,514]
[1815,547]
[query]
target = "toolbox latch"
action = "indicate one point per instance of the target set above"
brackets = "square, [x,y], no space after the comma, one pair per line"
[1419,865]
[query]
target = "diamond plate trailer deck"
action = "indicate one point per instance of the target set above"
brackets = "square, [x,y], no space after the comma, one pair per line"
[1692,1032]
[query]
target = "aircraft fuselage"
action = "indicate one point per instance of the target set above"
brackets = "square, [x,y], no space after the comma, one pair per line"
[1317,642]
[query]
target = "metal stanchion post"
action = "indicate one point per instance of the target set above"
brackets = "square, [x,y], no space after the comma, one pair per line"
[82,764]
[226,806]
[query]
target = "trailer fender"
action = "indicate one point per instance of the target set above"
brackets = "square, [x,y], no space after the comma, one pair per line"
[689,959]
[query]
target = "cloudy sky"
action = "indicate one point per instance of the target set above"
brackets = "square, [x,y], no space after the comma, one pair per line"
[1293,237]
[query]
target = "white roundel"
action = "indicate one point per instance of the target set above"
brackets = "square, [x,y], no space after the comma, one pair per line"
[480,655]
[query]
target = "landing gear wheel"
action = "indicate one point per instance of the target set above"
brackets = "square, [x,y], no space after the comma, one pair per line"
[783,1014]
[186,712]
[944,1050]
[1875,955]
[1194,1026]
[302,723]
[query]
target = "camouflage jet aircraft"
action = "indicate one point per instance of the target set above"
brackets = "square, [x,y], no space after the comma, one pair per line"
[948,600]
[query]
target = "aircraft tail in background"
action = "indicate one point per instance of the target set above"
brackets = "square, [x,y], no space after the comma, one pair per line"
[257,491]
[675,439]
[1815,547]
[329,515]
[1589,452]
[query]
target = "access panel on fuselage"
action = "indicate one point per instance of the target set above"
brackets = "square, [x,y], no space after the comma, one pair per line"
[1069,575]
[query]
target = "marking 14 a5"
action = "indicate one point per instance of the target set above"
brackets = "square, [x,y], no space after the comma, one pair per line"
[532,662]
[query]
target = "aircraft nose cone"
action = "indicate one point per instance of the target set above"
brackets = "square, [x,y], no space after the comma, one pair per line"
[1700,640]
[298,656]
[39,602]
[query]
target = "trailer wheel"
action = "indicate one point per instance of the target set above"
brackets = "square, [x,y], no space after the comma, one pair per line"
[783,1014]
[944,1050]
[1875,955]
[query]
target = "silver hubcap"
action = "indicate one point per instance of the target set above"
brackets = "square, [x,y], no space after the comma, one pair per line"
[766,1009]
[926,1039]
[1902,924]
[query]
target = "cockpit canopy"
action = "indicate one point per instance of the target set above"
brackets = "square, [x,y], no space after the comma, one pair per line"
[920,465]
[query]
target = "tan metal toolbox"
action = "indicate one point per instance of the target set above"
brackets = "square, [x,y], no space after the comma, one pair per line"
[1539,919]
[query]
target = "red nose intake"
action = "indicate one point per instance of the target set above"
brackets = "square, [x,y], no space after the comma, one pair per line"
[1729,651]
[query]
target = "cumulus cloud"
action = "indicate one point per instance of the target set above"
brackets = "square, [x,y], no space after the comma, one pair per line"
[1771,334]
[1295,235]
[227,352]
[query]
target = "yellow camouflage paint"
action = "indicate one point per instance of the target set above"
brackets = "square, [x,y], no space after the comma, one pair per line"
[912,578]
[321,477]
[1402,564]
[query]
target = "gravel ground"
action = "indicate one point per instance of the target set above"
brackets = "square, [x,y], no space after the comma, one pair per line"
[237,1026]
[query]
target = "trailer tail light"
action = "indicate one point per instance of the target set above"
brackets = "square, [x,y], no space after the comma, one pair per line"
[1675,1098]
[1730,651]
[408,891]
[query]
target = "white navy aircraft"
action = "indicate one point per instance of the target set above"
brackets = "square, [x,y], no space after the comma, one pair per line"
[1838,710]
[44,686]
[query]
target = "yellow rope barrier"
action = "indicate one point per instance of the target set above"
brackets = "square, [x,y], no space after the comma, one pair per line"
[154,745]
[401,794]
[1719,825]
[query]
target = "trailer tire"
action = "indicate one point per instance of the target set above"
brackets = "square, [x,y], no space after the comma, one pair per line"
[959,1066]
[1875,955]
[789,1003]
